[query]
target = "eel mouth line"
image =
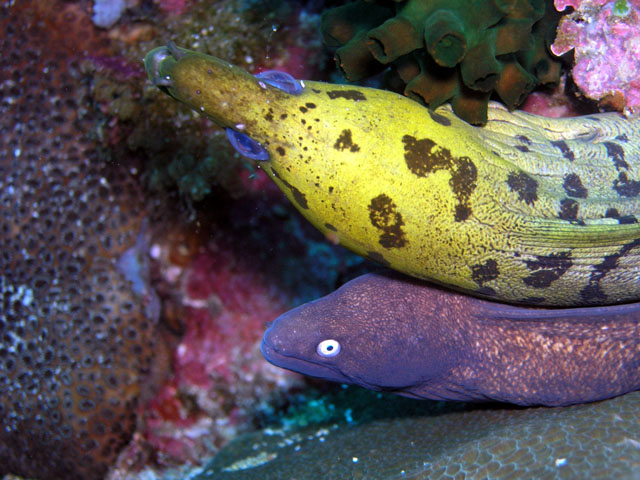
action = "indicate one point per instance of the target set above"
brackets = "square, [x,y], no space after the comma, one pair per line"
[304,367]
[158,57]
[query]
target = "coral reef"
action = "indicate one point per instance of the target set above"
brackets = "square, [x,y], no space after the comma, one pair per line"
[440,51]
[605,38]
[77,341]
[222,302]
[79,132]
[219,287]
[375,437]
[79,125]
[183,151]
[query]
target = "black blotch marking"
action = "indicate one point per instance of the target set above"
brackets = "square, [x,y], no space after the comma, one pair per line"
[525,186]
[547,269]
[522,148]
[330,189]
[298,196]
[304,109]
[622,138]
[378,258]
[328,226]
[384,215]
[627,220]
[422,157]
[485,272]
[310,105]
[269,116]
[283,116]
[568,209]
[573,186]
[524,139]
[626,187]
[624,220]
[354,95]
[486,291]
[441,119]
[564,148]
[345,141]
[616,153]
[612,213]
[594,291]
[316,91]
[281,151]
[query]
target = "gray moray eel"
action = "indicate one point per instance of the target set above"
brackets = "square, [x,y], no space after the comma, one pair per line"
[385,331]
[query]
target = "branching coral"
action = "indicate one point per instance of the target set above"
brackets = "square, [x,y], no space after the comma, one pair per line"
[75,340]
[442,50]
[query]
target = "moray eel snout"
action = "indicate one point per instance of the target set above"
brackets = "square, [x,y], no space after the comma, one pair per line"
[275,350]
[349,337]
[153,62]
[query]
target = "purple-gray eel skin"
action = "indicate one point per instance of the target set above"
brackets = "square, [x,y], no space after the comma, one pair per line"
[387,332]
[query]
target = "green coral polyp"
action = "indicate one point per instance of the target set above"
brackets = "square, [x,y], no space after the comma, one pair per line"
[457,51]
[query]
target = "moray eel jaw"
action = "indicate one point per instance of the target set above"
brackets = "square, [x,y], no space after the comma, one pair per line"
[237,101]
[273,351]
[376,348]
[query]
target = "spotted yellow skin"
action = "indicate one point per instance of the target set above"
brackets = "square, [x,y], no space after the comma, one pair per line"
[526,210]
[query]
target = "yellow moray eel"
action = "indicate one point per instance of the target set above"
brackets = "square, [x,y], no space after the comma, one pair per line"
[527,209]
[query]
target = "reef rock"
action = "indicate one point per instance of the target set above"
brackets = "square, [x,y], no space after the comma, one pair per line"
[76,340]
[436,440]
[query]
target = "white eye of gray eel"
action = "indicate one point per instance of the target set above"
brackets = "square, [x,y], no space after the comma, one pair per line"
[328,348]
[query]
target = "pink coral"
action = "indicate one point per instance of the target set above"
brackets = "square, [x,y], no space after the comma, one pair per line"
[605,36]
[221,301]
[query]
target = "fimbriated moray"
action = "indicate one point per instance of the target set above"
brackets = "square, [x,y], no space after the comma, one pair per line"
[527,209]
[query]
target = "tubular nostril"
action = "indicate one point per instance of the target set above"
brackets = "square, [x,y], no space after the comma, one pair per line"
[175,51]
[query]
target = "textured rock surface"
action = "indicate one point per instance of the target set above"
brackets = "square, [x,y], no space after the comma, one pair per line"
[76,342]
[431,440]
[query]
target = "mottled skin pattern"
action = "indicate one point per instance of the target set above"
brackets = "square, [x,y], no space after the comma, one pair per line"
[418,340]
[526,209]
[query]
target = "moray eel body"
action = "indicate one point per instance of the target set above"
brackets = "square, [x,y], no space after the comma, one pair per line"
[525,210]
[387,332]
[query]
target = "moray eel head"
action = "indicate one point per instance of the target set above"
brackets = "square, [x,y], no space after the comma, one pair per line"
[353,337]
[240,102]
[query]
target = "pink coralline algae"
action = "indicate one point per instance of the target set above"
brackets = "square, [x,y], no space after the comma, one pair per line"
[605,36]
[220,301]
